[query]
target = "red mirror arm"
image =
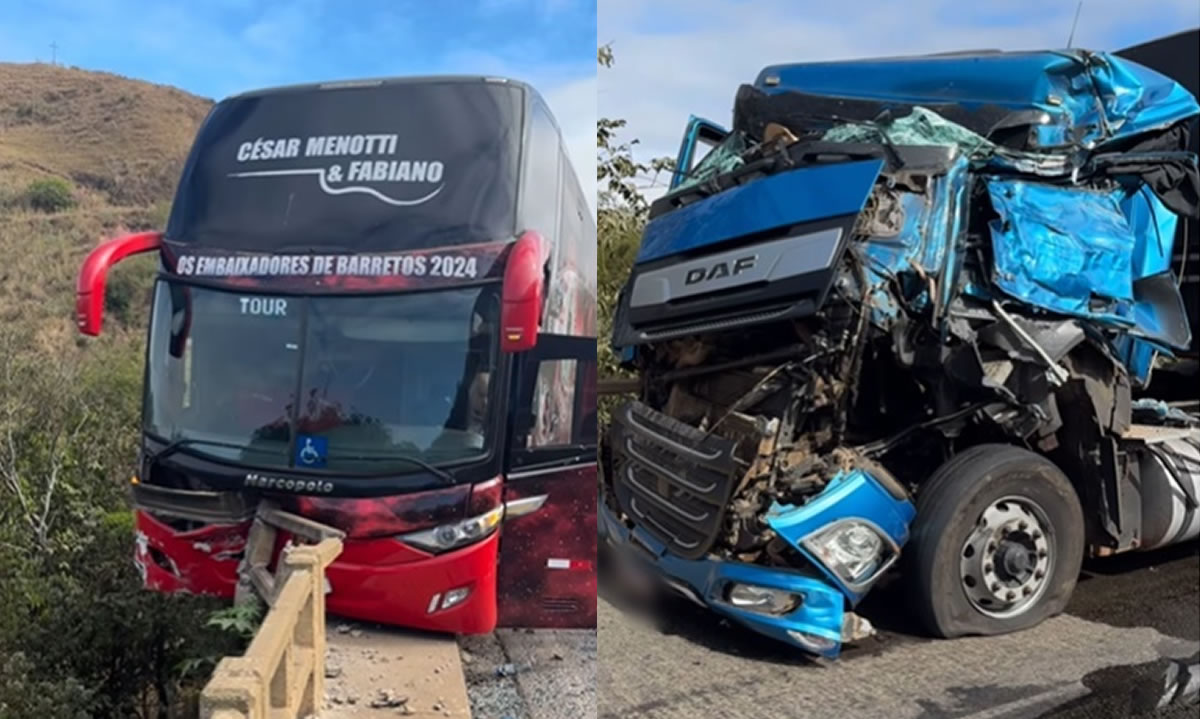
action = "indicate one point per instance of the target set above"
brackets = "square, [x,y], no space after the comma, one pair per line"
[89,289]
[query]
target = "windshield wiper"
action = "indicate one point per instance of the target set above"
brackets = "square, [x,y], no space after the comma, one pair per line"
[180,442]
[177,444]
[432,469]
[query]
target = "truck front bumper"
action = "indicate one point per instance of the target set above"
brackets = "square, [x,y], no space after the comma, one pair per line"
[815,625]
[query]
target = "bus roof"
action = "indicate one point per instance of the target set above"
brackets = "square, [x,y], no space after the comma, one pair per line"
[382,82]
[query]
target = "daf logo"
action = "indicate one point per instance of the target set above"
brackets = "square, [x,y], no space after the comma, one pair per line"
[719,270]
[258,481]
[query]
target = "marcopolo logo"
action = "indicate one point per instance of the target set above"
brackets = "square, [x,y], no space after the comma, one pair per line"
[257,481]
[379,165]
[716,271]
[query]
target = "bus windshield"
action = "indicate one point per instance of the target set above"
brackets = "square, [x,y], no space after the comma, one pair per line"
[352,384]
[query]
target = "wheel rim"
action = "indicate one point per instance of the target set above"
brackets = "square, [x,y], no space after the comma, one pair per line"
[1006,562]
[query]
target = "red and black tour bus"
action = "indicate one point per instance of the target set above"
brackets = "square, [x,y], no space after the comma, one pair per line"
[375,313]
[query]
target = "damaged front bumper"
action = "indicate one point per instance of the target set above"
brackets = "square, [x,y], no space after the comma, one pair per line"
[857,514]
[222,544]
[814,625]
[809,610]
[672,483]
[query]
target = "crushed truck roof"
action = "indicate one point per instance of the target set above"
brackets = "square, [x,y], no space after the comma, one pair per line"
[1061,97]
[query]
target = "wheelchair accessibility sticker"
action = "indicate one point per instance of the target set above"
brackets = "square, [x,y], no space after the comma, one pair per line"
[311,451]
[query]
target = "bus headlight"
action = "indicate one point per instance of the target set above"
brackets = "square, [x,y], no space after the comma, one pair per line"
[853,549]
[445,537]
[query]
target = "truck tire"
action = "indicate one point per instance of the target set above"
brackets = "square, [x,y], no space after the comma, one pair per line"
[996,545]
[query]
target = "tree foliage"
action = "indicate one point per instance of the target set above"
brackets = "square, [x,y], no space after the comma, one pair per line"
[79,637]
[620,218]
[618,172]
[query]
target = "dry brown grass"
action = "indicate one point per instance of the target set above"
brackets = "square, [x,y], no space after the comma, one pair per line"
[119,141]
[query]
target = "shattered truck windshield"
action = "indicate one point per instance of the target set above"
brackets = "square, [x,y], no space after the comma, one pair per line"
[348,384]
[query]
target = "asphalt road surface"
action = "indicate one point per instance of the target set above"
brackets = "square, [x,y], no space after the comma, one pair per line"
[1132,620]
[531,674]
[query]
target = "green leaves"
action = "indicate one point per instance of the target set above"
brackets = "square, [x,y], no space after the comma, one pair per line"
[616,169]
[24,694]
[620,220]
[241,620]
[50,194]
[92,642]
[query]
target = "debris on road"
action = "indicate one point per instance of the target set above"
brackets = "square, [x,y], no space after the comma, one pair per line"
[387,699]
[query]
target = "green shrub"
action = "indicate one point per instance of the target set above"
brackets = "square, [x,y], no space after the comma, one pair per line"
[23,694]
[79,637]
[90,633]
[50,194]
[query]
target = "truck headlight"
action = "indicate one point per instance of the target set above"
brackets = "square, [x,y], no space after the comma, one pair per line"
[855,550]
[445,537]
[762,599]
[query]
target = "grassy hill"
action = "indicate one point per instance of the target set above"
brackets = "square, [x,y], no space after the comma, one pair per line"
[120,140]
[118,143]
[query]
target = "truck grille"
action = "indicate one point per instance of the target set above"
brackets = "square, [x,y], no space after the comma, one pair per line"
[671,479]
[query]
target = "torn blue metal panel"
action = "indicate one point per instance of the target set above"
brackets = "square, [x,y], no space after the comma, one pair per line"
[1134,97]
[1066,250]
[889,258]
[892,254]
[1090,97]
[928,239]
[1154,227]
[1137,356]
[953,219]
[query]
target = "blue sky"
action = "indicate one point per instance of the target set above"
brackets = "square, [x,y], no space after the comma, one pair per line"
[681,57]
[216,48]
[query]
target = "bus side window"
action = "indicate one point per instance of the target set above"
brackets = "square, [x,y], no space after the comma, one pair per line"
[554,404]
[555,412]
[541,200]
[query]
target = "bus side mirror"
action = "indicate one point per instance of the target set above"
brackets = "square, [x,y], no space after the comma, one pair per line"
[89,289]
[521,296]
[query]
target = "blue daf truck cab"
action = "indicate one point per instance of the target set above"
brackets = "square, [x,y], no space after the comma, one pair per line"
[911,315]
